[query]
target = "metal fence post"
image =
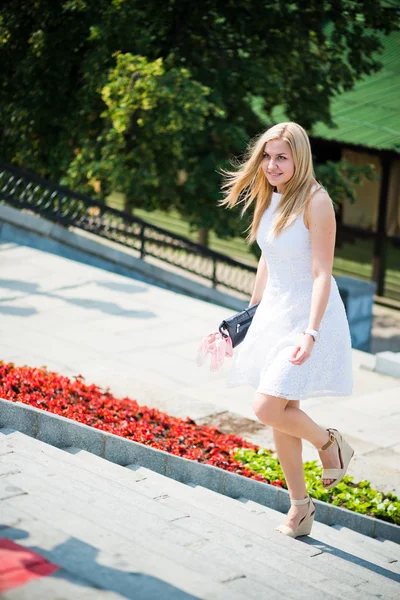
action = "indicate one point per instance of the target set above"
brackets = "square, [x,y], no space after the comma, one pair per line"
[58,211]
[214,275]
[142,241]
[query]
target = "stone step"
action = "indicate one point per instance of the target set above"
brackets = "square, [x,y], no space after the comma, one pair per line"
[328,540]
[345,539]
[194,566]
[49,588]
[155,485]
[390,546]
[210,500]
[60,549]
[363,553]
[228,564]
[310,572]
[92,556]
[390,553]
[216,552]
[302,587]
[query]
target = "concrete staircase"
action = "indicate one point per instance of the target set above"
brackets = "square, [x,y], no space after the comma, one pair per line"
[129,532]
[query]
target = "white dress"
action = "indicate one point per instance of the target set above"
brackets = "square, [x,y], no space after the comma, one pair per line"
[261,359]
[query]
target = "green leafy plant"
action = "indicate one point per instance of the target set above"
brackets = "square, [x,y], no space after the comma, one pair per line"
[359,497]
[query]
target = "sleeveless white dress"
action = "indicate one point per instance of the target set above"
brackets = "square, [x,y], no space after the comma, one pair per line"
[261,360]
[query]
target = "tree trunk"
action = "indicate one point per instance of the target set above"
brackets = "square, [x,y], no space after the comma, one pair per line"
[203,236]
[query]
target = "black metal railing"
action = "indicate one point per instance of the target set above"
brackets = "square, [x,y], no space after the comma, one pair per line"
[26,190]
[23,189]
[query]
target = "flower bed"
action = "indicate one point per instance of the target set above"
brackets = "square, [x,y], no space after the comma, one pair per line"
[359,497]
[98,408]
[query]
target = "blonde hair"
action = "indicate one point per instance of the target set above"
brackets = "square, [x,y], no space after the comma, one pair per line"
[249,184]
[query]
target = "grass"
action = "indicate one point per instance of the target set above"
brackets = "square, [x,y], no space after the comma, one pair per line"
[353,260]
[356,260]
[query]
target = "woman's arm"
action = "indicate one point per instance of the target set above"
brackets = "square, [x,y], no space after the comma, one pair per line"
[322,225]
[322,222]
[260,282]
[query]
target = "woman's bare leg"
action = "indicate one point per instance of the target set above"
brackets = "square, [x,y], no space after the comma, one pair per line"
[286,416]
[289,450]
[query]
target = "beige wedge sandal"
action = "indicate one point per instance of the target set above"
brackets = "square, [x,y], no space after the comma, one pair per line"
[346,453]
[306,523]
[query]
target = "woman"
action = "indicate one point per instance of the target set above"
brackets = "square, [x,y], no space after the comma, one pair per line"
[298,345]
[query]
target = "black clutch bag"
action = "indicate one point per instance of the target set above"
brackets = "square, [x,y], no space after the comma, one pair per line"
[238,324]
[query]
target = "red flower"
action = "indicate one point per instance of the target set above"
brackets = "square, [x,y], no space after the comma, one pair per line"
[98,408]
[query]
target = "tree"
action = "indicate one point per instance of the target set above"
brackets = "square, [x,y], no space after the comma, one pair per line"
[149,114]
[152,98]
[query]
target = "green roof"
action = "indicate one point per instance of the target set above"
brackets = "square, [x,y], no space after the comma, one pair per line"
[369,114]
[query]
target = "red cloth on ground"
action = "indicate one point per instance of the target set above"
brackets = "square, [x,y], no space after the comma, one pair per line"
[19,564]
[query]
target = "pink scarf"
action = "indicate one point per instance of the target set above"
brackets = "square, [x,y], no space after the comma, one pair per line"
[218,346]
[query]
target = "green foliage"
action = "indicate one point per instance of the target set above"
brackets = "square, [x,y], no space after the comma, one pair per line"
[73,109]
[359,497]
[149,113]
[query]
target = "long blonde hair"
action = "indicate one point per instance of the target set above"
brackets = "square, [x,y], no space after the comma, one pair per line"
[249,183]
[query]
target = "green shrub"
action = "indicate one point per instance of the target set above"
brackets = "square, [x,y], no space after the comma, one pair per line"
[359,497]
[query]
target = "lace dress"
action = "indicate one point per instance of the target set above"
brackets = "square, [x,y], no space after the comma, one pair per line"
[262,358]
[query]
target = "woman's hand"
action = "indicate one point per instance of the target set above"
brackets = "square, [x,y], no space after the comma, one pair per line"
[303,352]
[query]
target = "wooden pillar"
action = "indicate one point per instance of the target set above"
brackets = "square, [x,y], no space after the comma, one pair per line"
[379,264]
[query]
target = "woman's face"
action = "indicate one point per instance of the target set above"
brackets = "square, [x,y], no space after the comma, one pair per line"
[278,164]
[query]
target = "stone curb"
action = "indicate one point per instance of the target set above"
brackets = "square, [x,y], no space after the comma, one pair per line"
[63,432]
[60,240]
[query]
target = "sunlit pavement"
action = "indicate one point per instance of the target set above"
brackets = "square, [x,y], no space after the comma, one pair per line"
[141,341]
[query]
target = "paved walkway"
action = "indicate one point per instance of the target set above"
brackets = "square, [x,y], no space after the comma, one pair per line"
[141,340]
